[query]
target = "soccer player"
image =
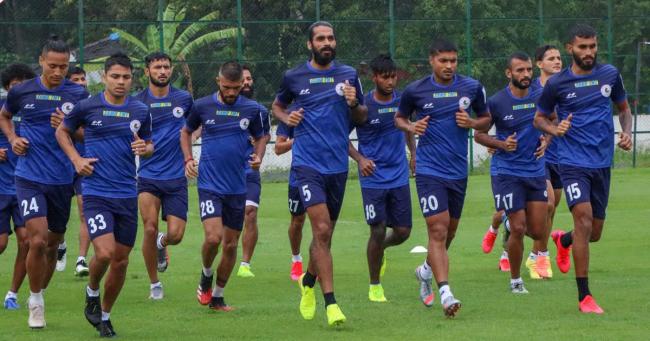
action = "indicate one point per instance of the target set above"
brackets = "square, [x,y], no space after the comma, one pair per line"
[161,179]
[77,75]
[581,96]
[227,120]
[253,186]
[383,171]
[441,102]
[117,128]
[13,75]
[328,96]
[283,143]
[43,172]
[498,217]
[520,188]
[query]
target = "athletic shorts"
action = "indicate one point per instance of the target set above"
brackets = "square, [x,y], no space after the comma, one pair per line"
[230,207]
[172,195]
[76,184]
[437,195]
[389,206]
[118,216]
[295,203]
[587,185]
[494,181]
[317,188]
[513,192]
[40,200]
[9,211]
[253,189]
[553,175]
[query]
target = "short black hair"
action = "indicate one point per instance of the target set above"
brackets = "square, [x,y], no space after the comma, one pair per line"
[152,57]
[232,71]
[246,67]
[75,70]
[441,45]
[582,31]
[313,26]
[54,44]
[16,71]
[541,51]
[383,64]
[118,58]
[519,55]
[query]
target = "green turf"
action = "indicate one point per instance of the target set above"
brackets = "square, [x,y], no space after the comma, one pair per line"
[267,306]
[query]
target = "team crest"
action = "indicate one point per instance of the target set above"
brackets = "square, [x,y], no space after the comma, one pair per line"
[178,112]
[135,126]
[243,124]
[339,89]
[464,103]
[67,107]
[606,90]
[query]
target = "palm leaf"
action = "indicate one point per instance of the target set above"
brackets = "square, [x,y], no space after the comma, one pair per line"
[131,40]
[172,13]
[152,37]
[207,39]
[192,30]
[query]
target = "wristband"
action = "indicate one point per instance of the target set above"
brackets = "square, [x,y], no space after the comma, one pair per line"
[189,159]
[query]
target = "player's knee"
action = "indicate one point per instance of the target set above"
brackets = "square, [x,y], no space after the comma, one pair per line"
[377,233]
[595,235]
[230,247]
[38,244]
[584,222]
[402,234]
[438,232]
[322,237]
[298,222]
[150,229]
[120,264]
[517,229]
[23,245]
[550,208]
[173,238]
[103,256]
[212,240]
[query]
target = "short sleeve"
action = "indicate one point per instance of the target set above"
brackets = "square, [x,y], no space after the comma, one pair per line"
[76,118]
[187,105]
[547,101]
[145,128]
[479,105]
[193,120]
[256,125]
[406,105]
[493,109]
[266,121]
[284,94]
[618,90]
[12,104]
[283,130]
[359,88]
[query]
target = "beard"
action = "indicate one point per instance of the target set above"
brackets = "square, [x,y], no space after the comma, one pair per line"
[520,85]
[320,58]
[159,83]
[247,91]
[583,65]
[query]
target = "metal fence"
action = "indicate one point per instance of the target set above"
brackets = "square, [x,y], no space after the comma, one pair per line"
[271,37]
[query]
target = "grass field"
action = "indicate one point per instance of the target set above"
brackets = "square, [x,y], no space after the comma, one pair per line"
[267,305]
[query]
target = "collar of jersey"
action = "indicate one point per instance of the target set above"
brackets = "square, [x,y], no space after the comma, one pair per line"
[42,86]
[159,98]
[330,69]
[515,97]
[593,71]
[391,101]
[433,81]
[215,98]
[103,99]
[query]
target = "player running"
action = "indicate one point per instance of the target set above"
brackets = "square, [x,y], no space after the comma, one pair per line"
[383,171]
[441,103]
[11,76]
[77,75]
[520,187]
[227,120]
[581,96]
[161,180]
[43,172]
[328,96]
[117,128]
[253,186]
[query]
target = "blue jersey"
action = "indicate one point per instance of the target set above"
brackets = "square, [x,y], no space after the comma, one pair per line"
[442,150]
[267,130]
[44,161]
[8,166]
[321,138]
[168,115]
[550,155]
[286,131]
[108,133]
[381,142]
[589,143]
[515,115]
[224,147]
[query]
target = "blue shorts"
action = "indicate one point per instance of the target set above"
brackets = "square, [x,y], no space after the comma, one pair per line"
[76,184]
[553,175]
[513,192]
[9,211]
[587,185]
[118,216]
[389,206]
[230,207]
[317,188]
[295,203]
[437,195]
[253,189]
[172,195]
[495,189]
[40,200]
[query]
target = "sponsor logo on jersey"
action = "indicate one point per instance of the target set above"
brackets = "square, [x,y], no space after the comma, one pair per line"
[48,97]
[67,107]
[509,117]
[585,84]
[445,94]
[29,106]
[464,103]
[305,92]
[160,105]
[321,80]
[243,124]
[571,95]
[387,110]
[339,89]
[606,90]
[428,106]
[227,113]
[135,126]
[523,106]
[178,112]
[113,113]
